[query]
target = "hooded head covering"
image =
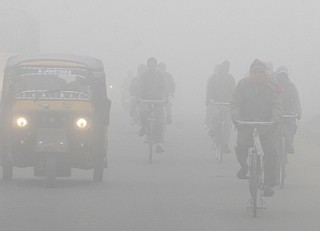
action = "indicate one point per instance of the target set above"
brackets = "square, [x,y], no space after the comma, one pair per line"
[257,65]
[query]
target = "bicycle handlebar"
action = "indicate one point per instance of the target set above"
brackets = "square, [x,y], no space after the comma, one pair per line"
[254,123]
[290,116]
[212,102]
[152,101]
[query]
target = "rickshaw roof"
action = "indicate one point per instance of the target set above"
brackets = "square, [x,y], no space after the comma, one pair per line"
[84,61]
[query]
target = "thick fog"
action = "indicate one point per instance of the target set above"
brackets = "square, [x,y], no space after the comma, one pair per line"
[191,37]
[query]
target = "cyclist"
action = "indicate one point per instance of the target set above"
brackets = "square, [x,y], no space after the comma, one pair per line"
[153,87]
[257,98]
[291,106]
[220,87]
[171,89]
[134,91]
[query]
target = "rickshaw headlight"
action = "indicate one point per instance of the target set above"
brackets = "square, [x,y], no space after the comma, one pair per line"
[82,123]
[22,122]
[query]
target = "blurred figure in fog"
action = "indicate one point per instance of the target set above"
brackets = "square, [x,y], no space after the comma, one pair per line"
[125,96]
[153,86]
[220,87]
[170,91]
[134,93]
[270,71]
[257,98]
[291,106]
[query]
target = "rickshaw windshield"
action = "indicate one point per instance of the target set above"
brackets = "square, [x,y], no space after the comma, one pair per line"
[52,83]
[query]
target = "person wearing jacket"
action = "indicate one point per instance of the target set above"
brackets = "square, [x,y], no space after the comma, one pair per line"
[291,106]
[152,86]
[220,87]
[257,98]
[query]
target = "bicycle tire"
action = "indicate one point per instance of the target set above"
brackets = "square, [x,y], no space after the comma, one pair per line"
[218,152]
[253,181]
[150,141]
[219,143]
[282,172]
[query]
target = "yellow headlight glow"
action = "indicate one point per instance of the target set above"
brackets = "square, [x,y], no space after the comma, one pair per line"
[22,122]
[82,123]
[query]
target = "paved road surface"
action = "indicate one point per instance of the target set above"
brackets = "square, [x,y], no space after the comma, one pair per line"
[184,189]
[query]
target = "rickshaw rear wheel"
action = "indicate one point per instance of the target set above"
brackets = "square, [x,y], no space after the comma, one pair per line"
[50,170]
[7,168]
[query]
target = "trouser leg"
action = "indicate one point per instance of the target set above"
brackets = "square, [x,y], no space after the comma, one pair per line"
[158,131]
[227,127]
[212,117]
[133,108]
[144,111]
[269,145]
[244,142]
[168,108]
[290,132]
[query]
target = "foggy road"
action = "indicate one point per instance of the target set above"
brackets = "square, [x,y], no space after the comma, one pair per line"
[184,189]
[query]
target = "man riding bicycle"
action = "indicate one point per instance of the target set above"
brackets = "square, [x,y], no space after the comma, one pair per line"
[257,98]
[134,93]
[153,86]
[220,87]
[291,106]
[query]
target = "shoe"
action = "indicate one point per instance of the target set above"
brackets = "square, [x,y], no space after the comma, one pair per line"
[159,149]
[267,191]
[242,174]
[169,120]
[142,131]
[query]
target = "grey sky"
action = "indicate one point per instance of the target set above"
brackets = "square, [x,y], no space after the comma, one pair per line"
[190,36]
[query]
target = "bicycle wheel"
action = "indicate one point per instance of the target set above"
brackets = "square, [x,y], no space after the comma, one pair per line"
[219,144]
[282,172]
[218,150]
[150,141]
[253,181]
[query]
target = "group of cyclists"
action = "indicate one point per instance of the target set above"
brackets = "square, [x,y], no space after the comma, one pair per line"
[262,96]
[152,82]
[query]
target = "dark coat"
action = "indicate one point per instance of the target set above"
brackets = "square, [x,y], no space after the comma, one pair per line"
[290,98]
[256,101]
[152,86]
[220,87]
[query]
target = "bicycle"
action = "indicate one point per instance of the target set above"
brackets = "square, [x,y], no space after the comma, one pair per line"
[151,121]
[255,166]
[283,155]
[219,138]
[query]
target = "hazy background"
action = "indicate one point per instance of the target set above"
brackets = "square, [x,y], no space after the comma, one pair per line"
[190,36]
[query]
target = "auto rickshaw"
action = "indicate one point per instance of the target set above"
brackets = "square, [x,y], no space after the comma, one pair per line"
[54,116]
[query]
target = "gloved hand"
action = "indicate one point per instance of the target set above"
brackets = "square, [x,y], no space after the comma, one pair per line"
[235,123]
[299,116]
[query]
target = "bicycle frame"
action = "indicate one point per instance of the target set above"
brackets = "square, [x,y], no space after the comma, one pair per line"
[283,156]
[151,120]
[255,167]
